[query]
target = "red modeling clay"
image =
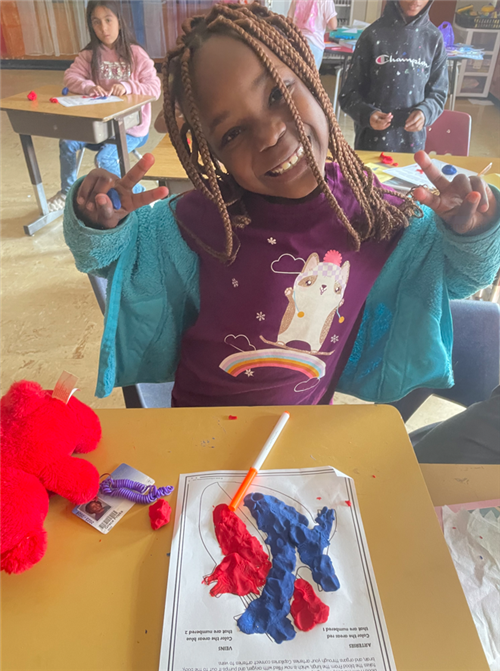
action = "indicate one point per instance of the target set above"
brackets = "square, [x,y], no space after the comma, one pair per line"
[245,567]
[159,514]
[234,575]
[32,95]
[307,609]
[387,160]
[348,503]
[53,100]
[232,417]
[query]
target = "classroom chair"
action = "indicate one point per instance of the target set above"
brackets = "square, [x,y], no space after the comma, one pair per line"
[450,134]
[475,359]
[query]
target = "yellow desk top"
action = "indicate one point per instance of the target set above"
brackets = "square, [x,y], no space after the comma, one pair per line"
[42,105]
[474,163]
[96,602]
[167,165]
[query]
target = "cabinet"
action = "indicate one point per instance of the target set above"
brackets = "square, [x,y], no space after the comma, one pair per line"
[344,12]
[475,76]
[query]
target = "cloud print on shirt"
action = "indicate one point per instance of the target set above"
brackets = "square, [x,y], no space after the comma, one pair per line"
[287,265]
[239,342]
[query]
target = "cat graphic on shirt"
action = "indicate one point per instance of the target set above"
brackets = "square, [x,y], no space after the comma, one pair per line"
[313,301]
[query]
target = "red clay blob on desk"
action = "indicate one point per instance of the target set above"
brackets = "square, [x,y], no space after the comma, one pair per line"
[307,609]
[245,567]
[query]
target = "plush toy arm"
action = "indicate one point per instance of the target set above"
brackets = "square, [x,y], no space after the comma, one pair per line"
[73,478]
[89,433]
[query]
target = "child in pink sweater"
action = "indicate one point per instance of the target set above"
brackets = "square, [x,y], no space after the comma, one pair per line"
[111,64]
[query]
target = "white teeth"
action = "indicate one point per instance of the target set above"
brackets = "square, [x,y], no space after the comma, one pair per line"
[289,163]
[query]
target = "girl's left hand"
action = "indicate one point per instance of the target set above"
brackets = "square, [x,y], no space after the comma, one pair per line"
[466,204]
[117,90]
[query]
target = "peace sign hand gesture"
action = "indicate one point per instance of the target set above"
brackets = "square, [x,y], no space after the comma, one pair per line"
[466,205]
[93,205]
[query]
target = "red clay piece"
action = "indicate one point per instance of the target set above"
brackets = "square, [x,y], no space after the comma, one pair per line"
[245,567]
[233,417]
[53,100]
[32,95]
[159,514]
[307,609]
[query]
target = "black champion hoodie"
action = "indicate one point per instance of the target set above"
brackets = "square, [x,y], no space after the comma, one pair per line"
[397,67]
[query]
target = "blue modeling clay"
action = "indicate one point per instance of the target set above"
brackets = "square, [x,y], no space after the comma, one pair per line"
[286,530]
[65,91]
[115,199]
[449,170]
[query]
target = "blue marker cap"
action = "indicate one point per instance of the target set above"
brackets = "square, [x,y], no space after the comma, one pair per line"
[115,199]
[449,170]
[65,91]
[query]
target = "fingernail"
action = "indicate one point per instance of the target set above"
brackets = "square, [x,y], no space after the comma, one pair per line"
[80,201]
[90,206]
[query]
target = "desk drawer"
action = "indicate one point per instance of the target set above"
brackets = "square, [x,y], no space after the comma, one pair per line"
[66,127]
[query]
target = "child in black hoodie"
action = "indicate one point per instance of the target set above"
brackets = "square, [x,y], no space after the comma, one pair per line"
[398,81]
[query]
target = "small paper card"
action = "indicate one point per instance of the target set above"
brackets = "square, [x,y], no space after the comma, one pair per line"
[103,512]
[65,387]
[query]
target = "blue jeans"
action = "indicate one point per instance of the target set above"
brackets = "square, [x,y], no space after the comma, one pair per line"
[316,52]
[107,158]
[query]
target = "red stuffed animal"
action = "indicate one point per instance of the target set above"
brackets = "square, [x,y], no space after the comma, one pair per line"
[39,434]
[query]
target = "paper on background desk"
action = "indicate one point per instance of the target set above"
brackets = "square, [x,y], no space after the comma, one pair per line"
[201,631]
[472,532]
[412,174]
[79,101]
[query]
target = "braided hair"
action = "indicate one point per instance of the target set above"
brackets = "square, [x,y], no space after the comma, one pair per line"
[255,25]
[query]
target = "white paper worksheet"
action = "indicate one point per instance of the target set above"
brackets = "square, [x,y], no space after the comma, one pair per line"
[200,632]
[79,101]
[414,175]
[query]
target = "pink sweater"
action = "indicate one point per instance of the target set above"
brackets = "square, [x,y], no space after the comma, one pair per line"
[142,79]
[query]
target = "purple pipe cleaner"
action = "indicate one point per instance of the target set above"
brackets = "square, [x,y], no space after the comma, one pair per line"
[134,491]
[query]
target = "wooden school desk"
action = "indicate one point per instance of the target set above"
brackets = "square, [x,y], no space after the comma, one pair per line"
[168,169]
[93,124]
[96,602]
[474,163]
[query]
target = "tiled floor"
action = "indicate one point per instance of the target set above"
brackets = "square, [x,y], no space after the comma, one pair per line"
[50,319]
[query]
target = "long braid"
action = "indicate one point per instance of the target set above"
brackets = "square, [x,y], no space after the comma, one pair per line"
[254,25]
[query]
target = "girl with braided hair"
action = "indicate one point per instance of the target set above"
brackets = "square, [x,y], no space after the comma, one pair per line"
[285,274]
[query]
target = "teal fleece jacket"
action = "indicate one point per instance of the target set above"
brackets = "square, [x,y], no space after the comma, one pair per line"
[406,334]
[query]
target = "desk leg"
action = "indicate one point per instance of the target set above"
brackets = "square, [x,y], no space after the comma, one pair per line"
[36,179]
[121,144]
[336,92]
[455,84]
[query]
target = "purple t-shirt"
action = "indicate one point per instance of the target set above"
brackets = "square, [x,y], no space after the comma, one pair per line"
[273,325]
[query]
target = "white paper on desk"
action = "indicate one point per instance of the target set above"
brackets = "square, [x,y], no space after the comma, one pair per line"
[78,101]
[200,631]
[473,538]
[411,174]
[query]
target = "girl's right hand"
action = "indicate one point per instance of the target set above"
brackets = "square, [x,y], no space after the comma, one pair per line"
[380,121]
[98,91]
[95,208]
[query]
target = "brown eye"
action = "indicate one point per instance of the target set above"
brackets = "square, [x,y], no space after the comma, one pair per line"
[337,288]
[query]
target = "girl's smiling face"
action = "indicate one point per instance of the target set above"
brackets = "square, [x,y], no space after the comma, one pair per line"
[247,123]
